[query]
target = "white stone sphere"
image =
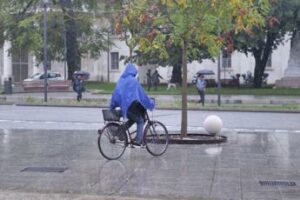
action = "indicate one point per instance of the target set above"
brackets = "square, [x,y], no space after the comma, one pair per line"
[213,124]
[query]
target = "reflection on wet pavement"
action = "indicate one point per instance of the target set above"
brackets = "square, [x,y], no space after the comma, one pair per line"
[231,170]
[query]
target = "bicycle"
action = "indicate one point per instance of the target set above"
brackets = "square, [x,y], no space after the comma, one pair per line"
[114,137]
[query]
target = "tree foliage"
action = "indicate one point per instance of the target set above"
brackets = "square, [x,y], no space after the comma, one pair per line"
[70,22]
[283,18]
[154,23]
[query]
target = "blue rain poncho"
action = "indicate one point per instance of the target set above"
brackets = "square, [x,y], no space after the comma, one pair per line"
[127,90]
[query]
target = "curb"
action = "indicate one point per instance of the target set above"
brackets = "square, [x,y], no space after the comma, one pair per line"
[193,138]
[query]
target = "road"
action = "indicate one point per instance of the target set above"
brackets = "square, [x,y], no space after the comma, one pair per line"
[71,118]
[232,170]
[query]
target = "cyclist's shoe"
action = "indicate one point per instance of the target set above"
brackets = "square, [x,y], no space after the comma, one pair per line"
[135,144]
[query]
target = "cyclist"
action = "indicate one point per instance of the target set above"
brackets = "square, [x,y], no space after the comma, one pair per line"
[130,96]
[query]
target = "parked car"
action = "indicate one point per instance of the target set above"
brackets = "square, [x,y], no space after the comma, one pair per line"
[40,76]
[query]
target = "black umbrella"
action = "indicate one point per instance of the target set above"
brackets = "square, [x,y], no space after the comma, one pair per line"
[206,72]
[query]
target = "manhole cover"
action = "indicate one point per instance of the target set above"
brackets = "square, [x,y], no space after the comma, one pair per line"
[45,169]
[277,183]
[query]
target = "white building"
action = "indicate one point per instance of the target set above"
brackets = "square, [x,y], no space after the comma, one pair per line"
[19,67]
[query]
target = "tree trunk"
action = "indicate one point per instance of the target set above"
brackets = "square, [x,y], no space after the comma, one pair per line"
[176,73]
[257,70]
[130,54]
[73,55]
[184,92]
[261,56]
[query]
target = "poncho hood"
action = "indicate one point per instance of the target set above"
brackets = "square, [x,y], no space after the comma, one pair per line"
[127,90]
[129,71]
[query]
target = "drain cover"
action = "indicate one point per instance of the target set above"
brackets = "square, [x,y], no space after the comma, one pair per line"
[45,169]
[277,183]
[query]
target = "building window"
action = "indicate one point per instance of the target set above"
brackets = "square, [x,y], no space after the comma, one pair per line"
[114,60]
[269,61]
[226,59]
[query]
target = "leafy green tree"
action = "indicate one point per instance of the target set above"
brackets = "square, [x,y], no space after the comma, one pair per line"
[70,22]
[185,23]
[174,59]
[283,18]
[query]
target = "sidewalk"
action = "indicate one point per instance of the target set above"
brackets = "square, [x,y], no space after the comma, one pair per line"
[225,99]
[234,170]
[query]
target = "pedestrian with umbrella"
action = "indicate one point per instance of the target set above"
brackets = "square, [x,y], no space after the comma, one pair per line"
[201,87]
[78,83]
[78,87]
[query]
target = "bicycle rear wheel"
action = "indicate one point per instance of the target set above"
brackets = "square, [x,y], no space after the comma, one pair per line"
[156,138]
[112,141]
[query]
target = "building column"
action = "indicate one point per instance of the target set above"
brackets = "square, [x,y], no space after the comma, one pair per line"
[293,69]
[35,66]
[7,62]
[291,77]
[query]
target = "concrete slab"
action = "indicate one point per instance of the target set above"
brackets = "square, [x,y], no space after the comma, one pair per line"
[230,170]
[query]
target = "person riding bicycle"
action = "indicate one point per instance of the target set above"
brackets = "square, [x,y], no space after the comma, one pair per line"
[130,96]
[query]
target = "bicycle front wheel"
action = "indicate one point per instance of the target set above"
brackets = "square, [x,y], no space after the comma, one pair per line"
[156,138]
[112,141]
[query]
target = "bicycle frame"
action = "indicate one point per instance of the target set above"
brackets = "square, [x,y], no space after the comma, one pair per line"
[128,132]
[155,142]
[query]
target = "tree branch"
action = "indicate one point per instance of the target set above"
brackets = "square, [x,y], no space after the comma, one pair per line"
[26,8]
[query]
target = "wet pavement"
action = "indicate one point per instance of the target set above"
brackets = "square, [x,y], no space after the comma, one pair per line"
[231,170]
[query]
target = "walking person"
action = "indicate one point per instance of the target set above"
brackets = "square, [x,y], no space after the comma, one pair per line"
[149,79]
[155,79]
[78,87]
[201,86]
[130,96]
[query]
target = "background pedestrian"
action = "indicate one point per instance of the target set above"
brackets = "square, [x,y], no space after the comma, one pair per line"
[78,87]
[149,79]
[155,79]
[201,86]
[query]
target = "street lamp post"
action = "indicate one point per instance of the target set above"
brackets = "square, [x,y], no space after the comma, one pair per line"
[219,79]
[65,53]
[45,4]
[108,49]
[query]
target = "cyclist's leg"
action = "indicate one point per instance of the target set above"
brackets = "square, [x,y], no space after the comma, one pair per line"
[139,130]
[138,119]
[136,115]
[128,124]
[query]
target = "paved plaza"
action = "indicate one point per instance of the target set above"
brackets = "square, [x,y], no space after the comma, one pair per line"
[31,160]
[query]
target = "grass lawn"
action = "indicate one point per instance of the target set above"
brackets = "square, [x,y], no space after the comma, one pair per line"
[108,88]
